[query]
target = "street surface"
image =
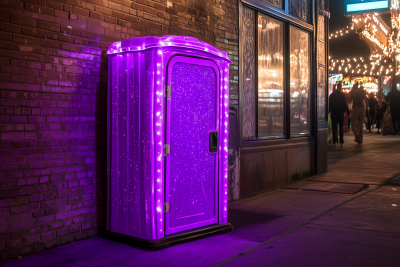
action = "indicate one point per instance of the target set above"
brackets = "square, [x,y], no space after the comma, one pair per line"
[347,217]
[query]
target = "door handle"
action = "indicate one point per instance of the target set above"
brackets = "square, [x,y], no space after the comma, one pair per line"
[213,142]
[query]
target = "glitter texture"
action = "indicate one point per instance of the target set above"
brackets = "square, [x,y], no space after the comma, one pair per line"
[138,131]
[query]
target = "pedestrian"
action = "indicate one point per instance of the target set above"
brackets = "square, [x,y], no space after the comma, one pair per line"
[350,105]
[357,96]
[372,103]
[337,107]
[387,123]
[394,103]
[380,110]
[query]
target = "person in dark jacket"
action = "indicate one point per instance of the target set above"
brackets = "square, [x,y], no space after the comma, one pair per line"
[372,103]
[358,96]
[337,108]
[380,110]
[394,102]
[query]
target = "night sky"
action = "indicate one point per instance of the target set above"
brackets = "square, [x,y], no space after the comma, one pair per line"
[349,45]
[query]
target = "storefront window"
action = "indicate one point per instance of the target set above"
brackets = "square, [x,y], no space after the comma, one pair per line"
[276,77]
[300,9]
[299,82]
[270,77]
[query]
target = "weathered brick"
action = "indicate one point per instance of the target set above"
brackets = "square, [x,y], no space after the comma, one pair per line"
[37,247]
[48,235]
[20,200]
[74,228]
[8,193]
[49,243]
[33,238]
[26,190]
[92,232]
[15,243]
[55,5]
[117,14]
[96,15]
[10,28]
[24,208]
[48,26]
[45,219]
[5,17]
[23,21]
[52,82]
[52,210]
[86,226]
[55,225]
[4,213]
[44,179]
[62,231]
[73,183]
[38,213]
[25,250]
[36,197]
[67,238]
[19,209]
[82,235]
[80,11]
[61,14]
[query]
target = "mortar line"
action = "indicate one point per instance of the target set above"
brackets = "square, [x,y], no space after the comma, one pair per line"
[277,237]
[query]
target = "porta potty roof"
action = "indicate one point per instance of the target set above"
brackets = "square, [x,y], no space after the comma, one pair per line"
[144,43]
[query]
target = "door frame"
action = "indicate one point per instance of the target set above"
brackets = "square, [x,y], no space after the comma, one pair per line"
[202,62]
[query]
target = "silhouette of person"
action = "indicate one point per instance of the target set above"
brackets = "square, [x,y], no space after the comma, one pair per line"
[337,107]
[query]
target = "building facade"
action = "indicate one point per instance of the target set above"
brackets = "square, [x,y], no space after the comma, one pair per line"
[282,112]
[53,101]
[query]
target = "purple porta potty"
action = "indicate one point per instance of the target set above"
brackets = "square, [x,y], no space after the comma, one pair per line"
[168,114]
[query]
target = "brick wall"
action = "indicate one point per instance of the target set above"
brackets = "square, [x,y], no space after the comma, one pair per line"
[53,104]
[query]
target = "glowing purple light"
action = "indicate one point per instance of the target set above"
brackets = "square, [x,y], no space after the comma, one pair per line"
[137,129]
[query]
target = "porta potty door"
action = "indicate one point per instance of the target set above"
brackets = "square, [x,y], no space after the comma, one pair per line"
[192,135]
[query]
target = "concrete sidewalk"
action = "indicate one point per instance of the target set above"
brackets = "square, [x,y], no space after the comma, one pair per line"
[346,217]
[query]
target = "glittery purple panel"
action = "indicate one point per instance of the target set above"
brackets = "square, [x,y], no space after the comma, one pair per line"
[136,131]
[131,145]
[193,180]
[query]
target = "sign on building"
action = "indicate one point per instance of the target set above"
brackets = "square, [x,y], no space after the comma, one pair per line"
[366,6]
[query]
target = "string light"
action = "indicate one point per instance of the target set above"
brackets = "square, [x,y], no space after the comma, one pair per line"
[344,66]
[342,32]
[372,28]
[385,40]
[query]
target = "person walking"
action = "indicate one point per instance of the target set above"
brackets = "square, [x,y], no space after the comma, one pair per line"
[350,105]
[394,103]
[337,107]
[372,103]
[358,95]
[380,110]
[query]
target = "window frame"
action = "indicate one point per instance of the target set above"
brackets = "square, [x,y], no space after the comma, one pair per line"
[282,13]
[288,21]
[310,79]
[257,138]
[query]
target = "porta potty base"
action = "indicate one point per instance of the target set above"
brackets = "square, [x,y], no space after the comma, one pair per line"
[170,240]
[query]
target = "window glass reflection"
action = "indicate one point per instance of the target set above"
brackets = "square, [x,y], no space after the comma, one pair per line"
[299,82]
[270,77]
[277,3]
[300,9]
